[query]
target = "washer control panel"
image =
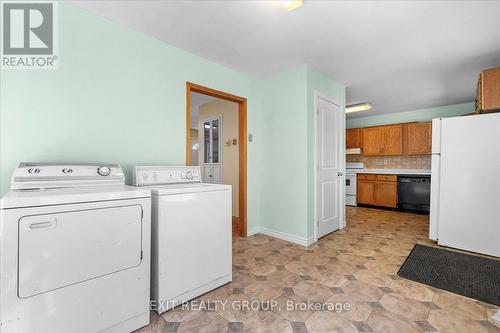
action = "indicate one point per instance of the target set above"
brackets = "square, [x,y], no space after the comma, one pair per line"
[157,175]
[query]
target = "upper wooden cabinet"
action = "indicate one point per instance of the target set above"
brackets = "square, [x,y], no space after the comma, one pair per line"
[353,138]
[393,140]
[383,140]
[488,91]
[418,138]
[373,139]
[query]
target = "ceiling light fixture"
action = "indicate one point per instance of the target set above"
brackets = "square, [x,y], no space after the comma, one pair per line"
[358,107]
[292,4]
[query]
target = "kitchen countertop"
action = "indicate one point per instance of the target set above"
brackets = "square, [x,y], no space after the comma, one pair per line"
[396,171]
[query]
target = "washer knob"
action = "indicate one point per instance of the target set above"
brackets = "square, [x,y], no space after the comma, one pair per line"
[189,175]
[34,170]
[104,171]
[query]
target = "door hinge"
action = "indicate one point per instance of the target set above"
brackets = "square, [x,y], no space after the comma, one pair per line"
[317,111]
[142,254]
[317,223]
[142,214]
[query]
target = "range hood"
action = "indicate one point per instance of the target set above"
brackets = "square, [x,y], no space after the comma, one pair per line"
[353,151]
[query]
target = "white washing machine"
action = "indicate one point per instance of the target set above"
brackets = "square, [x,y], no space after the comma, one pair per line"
[74,250]
[191,234]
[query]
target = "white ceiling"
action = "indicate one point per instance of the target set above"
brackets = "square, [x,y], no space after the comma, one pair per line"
[398,55]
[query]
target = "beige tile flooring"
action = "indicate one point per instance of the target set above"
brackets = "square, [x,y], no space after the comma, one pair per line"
[353,267]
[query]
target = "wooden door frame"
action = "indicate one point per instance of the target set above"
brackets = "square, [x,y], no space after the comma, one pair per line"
[242,135]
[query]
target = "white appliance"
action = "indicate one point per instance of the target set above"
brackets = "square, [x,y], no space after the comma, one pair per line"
[350,182]
[353,151]
[465,184]
[191,233]
[74,250]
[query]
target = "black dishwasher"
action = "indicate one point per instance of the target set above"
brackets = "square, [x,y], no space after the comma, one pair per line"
[414,193]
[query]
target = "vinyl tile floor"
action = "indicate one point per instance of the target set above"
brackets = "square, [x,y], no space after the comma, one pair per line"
[346,282]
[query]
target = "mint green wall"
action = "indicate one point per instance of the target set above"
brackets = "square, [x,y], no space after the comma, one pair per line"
[287,199]
[284,134]
[119,96]
[317,82]
[416,115]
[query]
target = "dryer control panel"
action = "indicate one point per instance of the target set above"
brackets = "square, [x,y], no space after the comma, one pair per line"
[54,175]
[160,175]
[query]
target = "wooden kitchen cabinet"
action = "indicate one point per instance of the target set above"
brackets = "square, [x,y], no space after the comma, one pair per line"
[373,139]
[353,138]
[393,140]
[418,138]
[488,91]
[377,190]
[366,192]
[386,194]
[383,140]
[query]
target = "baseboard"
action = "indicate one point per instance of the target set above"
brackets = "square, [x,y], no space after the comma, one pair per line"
[281,235]
[253,231]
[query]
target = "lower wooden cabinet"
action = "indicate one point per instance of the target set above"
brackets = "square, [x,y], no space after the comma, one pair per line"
[366,192]
[386,194]
[377,190]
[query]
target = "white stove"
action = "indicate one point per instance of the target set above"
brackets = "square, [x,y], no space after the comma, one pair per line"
[350,182]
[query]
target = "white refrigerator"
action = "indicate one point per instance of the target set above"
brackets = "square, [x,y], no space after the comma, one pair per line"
[465,185]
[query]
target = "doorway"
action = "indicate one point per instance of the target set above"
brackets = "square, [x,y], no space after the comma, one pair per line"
[216,132]
[329,178]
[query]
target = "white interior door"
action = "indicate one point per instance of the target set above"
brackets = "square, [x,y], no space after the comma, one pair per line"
[329,167]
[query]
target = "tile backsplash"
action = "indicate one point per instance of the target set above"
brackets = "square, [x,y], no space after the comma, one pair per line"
[392,162]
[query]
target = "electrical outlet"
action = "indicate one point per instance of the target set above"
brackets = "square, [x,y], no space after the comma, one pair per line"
[250,137]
